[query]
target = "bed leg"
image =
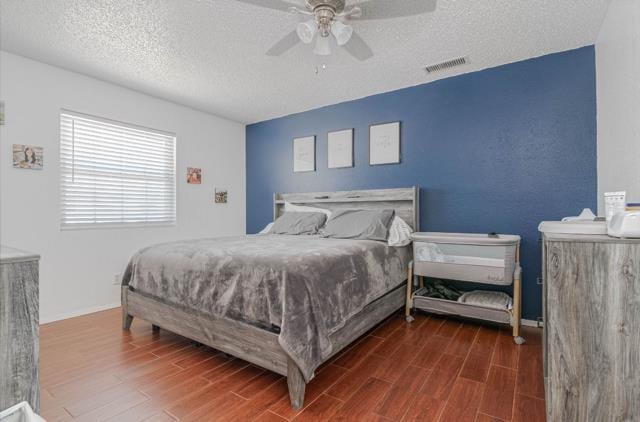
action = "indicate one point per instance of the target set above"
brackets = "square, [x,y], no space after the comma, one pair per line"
[126,318]
[296,384]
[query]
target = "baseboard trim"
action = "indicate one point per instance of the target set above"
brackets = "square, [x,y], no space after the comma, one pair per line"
[84,311]
[529,323]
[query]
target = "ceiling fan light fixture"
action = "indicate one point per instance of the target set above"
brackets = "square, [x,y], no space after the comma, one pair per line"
[306,31]
[342,32]
[323,48]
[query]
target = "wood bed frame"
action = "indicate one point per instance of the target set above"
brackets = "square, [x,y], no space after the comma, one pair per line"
[257,345]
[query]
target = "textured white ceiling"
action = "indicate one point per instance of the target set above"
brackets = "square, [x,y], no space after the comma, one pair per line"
[210,54]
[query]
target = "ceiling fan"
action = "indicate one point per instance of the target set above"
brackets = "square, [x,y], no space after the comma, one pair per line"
[330,19]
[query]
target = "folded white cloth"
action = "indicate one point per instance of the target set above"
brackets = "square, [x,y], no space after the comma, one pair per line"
[399,232]
[495,300]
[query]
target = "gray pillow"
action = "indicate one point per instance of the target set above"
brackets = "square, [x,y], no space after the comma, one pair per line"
[359,224]
[298,223]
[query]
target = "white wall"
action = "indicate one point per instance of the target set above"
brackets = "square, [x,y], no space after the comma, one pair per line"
[618,90]
[77,268]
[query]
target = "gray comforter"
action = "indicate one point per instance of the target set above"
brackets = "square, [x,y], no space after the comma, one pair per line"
[307,286]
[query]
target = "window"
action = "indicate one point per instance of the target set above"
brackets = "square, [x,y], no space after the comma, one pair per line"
[114,174]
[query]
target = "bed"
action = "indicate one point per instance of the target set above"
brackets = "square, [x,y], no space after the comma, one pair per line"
[284,303]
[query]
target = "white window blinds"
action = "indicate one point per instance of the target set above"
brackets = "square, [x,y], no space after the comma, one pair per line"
[114,174]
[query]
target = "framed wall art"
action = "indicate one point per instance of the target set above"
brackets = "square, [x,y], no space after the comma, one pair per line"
[340,149]
[28,157]
[221,196]
[304,154]
[384,143]
[194,175]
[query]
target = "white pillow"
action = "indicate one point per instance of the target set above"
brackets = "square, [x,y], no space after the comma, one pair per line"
[399,232]
[266,229]
[302,208]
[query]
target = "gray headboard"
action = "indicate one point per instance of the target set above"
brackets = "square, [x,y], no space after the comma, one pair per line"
[405,201]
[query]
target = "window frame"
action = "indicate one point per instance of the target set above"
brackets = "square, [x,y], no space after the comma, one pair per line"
[65,226]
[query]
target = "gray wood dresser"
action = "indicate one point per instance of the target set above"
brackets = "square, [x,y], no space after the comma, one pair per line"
[19,328]
[592,328]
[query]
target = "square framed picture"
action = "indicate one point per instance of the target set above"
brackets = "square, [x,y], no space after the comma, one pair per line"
[194,175]
[304,154]
[221,196]
[384,143]
[340,149]
[28,157]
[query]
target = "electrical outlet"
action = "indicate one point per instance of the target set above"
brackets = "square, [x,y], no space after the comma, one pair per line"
[117,279]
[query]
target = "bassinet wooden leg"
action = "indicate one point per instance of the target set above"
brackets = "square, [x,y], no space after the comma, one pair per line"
[407,307]
[517,308]
[296,384]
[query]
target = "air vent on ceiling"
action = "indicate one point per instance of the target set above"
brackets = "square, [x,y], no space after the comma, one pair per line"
[438,67]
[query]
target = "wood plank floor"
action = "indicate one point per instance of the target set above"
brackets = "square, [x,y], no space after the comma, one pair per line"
[431,370]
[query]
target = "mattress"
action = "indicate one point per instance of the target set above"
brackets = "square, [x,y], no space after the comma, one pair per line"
[307,286]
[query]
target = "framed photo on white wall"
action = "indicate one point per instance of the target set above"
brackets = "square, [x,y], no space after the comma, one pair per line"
[340,149]
[384,143]
[28,157]
[304,154]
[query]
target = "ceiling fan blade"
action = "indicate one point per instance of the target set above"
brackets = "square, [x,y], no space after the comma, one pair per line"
[281,5]
[384,9]
[358,48]
[287,43]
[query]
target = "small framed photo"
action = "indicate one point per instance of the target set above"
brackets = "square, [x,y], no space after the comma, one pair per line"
[28,157]
[220,196]
[340,149]
[1,112]
[304,154]
[384,143]
[194,175]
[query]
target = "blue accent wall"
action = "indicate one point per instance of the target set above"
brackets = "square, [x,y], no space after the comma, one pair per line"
[497,150]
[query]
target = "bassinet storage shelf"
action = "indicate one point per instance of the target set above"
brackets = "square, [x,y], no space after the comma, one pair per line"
[477,258]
